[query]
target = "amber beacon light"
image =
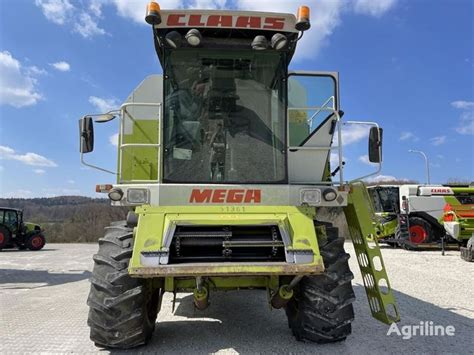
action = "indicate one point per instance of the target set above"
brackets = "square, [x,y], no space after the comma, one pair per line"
[302,19]
[153,16]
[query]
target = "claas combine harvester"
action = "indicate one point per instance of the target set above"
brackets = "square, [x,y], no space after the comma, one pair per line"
[224,161]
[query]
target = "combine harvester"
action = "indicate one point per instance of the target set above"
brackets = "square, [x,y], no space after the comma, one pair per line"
[224,163]
[424,216]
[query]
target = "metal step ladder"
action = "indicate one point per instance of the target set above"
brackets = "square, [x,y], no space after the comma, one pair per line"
[362,224]
[403,230]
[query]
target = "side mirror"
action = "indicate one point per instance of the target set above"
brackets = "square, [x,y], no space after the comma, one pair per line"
[86,134]
[375,145]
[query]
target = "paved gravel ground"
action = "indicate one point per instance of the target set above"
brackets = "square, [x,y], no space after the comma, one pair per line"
[43,295]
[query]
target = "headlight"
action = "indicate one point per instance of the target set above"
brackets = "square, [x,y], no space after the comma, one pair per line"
[310,197]
[115,194]
[329,194]
[138,196]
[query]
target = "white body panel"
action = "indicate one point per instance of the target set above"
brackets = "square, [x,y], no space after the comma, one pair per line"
[453,229]
[430,203]
[149,91]
[270,195]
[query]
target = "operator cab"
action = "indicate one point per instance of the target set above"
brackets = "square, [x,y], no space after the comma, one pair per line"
[224,96]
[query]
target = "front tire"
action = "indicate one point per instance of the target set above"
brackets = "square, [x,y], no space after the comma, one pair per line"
[122,309]
[321,309]
[35,242]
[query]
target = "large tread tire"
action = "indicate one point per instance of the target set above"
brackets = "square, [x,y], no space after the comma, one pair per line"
[467,252]
[35,242]
[423,225]
[5,237]
[122,309]
[321,310]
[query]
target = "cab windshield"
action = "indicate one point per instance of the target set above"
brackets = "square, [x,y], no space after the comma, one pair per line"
[224,117]
[385,199]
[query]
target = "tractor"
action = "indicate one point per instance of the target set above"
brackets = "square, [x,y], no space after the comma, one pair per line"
[224,163]
[16,233]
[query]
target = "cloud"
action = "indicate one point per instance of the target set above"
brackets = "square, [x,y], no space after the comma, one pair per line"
[385,178]
[438,140]
[84,20]
[365,159]
[207,4]
[61,66]
[32,159]
[56,11]
[103,105]
[1,168]
[464,105]
[373,7]
[61,191]
[466,123]
[466,120]
[72,182]
[18,86]
[352,134]
[21,193]
[87,26]
[39,171]
[135,10]
[113,139]
[408,136]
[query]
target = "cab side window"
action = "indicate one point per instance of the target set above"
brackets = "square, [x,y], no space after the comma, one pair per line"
[10,218]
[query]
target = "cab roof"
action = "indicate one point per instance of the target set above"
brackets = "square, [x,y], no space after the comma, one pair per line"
[10,209]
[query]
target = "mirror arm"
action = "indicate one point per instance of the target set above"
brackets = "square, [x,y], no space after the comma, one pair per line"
[83,162]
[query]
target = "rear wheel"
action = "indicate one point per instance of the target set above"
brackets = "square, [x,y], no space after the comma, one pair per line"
[420,231]
[5,237]
[122,310]
[321,309]
[35,242]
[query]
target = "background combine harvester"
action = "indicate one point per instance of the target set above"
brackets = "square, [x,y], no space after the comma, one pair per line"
[224,162]
[422,215]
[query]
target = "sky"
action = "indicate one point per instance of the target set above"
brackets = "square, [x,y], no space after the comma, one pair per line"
[407,64]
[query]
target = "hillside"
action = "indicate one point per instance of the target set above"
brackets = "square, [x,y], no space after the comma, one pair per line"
[68,219]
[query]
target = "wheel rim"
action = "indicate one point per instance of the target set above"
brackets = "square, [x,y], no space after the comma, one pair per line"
[2,238]
[36,242]
[418,234]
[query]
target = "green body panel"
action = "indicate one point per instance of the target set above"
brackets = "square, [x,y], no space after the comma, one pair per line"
[387,227]
[363,228]
[140,163]
[463,214]
[30,227]
[154,222]
[223,283]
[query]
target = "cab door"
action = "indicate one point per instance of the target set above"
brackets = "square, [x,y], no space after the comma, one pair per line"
[312,117]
